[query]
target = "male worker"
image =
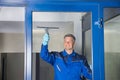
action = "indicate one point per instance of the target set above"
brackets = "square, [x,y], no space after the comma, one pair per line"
[68,65]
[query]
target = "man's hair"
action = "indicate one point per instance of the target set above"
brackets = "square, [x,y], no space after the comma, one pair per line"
[70,35]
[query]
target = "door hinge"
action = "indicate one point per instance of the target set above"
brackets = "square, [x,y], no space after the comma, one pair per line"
[99,22]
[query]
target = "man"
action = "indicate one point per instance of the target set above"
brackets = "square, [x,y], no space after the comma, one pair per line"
[68,65]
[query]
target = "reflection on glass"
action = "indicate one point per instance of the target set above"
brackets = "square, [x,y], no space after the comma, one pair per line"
[112,45]
[67,23]
[12,43]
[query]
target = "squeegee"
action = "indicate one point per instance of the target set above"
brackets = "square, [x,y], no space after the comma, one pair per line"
[47,28]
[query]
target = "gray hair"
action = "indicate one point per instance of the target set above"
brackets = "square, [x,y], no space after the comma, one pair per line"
[70,35]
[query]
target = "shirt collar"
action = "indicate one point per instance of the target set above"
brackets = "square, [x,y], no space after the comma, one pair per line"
[65,53]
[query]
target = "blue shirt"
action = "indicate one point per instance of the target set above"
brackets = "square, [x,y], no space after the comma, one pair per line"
[66,67]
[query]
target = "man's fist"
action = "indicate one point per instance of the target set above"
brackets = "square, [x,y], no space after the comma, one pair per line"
[45,39]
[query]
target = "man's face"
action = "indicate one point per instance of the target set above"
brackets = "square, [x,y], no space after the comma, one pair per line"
[68,43]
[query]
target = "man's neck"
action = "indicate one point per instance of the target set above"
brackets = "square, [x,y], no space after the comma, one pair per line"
[69,51]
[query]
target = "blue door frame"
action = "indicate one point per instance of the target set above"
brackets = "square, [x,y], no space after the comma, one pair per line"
[97,32]
[98,71]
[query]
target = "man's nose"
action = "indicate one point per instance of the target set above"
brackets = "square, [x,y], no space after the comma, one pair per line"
[68,42]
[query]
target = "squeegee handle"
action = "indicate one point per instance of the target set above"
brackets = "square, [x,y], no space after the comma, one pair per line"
[46,30]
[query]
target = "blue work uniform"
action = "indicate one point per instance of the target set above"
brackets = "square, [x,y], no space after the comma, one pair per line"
[66,67]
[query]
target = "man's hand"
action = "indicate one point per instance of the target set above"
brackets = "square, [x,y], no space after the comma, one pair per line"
[45,39]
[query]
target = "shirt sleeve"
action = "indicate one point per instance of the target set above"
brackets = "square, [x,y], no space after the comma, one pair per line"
[86,72]
[86,64]
[46,55]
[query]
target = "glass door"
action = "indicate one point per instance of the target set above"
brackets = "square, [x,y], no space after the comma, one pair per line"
[112,43]
[69,19]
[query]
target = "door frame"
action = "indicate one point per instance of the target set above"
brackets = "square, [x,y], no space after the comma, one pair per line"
[97,72]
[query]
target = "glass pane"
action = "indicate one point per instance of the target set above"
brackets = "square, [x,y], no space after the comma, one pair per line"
[87,37]
[12,43]
[112,43]
[88,47]
[65,22]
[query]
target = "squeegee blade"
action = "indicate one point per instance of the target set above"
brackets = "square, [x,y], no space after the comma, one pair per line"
[48,27]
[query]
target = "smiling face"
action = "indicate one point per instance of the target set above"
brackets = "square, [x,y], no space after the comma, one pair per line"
[69,43]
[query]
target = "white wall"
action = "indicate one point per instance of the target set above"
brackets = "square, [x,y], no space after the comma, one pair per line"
[12,43]
[78,34]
